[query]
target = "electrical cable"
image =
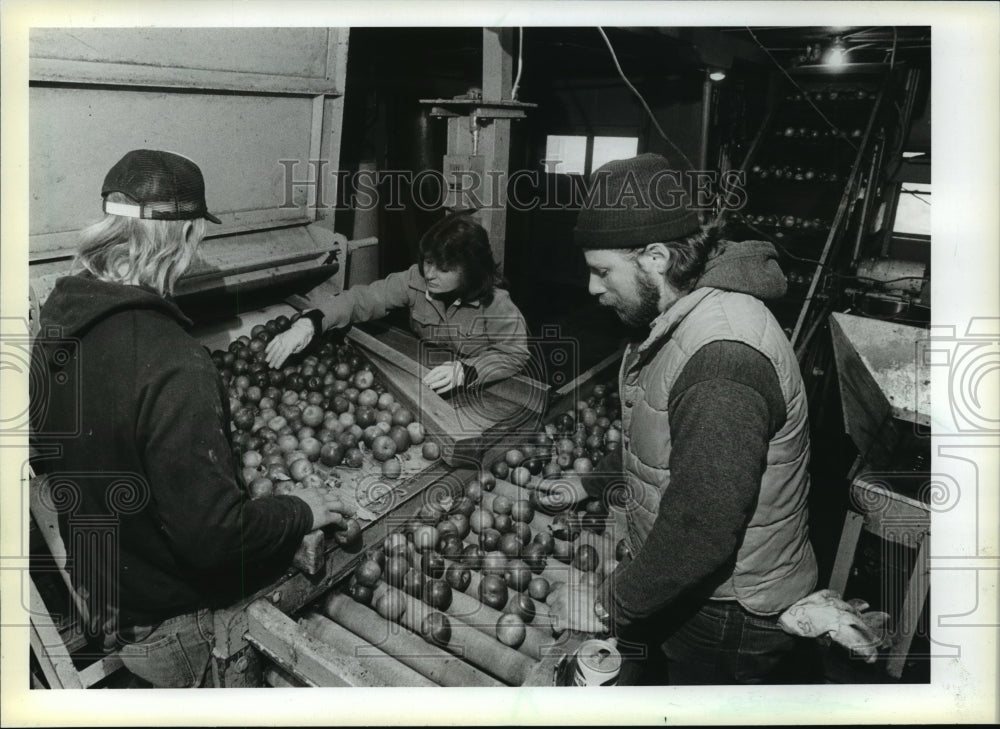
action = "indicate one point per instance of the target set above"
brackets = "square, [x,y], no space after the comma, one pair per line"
[917,194]
[635,91]
[805,94]
[892,57]
[520,66]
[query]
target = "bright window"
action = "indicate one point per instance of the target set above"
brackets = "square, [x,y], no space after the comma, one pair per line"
[913,212]
[566,155]
[611,148]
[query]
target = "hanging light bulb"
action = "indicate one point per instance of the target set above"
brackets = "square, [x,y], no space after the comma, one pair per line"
[836,54]
[717,74]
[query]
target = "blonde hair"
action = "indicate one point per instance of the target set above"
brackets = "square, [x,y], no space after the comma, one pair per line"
[137,251]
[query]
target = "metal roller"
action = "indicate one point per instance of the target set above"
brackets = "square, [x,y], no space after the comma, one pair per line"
[484,618]
[436,664]
[390,669]
[507,664]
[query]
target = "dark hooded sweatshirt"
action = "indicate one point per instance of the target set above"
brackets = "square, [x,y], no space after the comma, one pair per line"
[132,424]
[724,408]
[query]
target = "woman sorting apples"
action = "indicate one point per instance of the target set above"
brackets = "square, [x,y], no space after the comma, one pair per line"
[130,429]
[453,300]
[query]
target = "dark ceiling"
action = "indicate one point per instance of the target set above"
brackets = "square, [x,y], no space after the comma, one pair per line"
[582,52]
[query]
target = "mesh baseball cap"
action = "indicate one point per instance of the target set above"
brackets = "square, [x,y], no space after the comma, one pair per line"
[162,186]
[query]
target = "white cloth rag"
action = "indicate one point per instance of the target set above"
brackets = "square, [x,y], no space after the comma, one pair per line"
[825,613]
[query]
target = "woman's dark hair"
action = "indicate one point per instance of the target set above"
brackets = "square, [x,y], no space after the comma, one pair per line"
[458,243]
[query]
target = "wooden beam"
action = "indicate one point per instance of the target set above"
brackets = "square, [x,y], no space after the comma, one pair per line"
[279,678]
[59,70]
[101,669]
[868,415]
[587,376]
[438,416]
[494,137]
[314,662]
[48,646]
[519,389]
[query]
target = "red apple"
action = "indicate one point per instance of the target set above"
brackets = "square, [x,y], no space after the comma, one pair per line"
[511,630]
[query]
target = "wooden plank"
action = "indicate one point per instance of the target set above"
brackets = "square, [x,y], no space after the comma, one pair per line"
[908,620]
[60,245]
[519,389]
[890,353]
[473,417]
[889,515]
[48,646]
[274,634]
[47,521]
[309,557]
[438,417]
[279,678]
[332,128]
[587,377]
[66,71]
[438,665]
[374,346]
[494,138]
[392,671]
[100,670]
[868,417]
[849,536]
[440,427]
[293,52]
[316,171]
[290,593]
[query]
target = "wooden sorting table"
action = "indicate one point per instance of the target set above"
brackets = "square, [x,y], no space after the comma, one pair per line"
[278,637]
[335,641]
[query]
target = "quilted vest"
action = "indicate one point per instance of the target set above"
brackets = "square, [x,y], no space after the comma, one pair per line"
[775,564]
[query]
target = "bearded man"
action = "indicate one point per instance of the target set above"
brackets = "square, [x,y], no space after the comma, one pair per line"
[715,447]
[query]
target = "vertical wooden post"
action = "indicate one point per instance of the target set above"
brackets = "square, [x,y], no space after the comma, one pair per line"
[494,137]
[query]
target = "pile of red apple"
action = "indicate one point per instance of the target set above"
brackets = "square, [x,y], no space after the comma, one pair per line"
[574,441]
[324,408]
[444,544]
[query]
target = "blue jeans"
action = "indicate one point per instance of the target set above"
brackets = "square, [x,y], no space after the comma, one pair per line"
[174,654]
[722,643]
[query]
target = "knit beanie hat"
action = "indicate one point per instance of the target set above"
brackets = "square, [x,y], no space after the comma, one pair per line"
[635,202]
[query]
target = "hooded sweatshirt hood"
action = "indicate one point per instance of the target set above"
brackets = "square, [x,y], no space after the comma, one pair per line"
[77,303]
[746,267]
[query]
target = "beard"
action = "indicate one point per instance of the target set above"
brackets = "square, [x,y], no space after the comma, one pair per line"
[641,310]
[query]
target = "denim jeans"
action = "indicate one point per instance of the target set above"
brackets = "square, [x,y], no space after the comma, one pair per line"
[174,654]
[722,643]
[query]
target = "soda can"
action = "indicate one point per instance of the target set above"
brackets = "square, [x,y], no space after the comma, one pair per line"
[598,663]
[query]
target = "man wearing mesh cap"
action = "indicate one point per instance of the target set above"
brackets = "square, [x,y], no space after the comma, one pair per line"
[150,450]
[715,439]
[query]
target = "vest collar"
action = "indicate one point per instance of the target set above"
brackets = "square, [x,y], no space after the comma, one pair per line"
[665,324]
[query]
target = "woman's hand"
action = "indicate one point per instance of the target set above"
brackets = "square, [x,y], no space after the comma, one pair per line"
[289,342]
[445,377]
